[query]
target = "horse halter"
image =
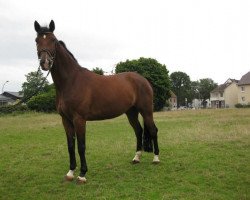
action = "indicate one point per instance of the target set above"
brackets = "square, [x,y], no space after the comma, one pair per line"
[51,54]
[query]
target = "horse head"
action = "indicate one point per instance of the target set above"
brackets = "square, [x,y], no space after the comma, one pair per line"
[46,43]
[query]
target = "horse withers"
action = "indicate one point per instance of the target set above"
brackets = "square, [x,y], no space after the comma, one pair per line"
[82,95]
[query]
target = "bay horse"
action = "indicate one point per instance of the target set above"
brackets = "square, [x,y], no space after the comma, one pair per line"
[82,95]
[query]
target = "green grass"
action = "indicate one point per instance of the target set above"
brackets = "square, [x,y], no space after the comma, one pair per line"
[204,154]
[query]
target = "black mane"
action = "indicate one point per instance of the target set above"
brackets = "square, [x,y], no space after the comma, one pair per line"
[64,45]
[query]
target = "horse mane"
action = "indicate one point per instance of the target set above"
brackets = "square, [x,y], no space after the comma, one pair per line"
[64,46]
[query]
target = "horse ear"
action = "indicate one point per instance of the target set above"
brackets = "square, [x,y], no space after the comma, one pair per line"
[37,26]
[52,26]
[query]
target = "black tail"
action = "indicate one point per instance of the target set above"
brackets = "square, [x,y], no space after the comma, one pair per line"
[147,140]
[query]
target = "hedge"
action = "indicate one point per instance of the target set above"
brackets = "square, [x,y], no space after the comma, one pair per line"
[43,102]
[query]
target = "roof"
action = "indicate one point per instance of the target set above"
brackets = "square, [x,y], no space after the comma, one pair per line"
[245,79]
[15,95]
[172,95]
[222,87]
[4,98]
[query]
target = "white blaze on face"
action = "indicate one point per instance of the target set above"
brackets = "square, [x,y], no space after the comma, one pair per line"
[44,36]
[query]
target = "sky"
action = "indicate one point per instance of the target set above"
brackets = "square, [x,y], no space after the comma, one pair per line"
[203,38]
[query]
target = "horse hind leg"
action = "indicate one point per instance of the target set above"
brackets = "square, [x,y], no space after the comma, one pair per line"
[147,140]
[150,138]
[132,115]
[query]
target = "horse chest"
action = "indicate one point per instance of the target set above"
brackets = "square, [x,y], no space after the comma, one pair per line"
[66,107]
[62,108]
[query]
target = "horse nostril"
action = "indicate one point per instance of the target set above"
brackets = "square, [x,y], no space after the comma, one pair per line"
[42,62]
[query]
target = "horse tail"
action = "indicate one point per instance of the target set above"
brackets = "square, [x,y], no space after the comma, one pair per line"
[147,140]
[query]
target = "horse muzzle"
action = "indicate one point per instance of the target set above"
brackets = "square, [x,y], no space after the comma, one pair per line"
[46,64]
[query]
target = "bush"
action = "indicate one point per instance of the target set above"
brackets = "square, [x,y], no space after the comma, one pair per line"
[12,108]
[239,105]
[45,102]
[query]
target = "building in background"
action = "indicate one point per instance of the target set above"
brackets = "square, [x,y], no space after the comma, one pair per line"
[244,89]
[8,98]
[225,95]
[172,101]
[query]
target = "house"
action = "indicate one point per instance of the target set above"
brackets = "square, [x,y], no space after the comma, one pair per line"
[197,103]
[244,89]
[172,100]
[225,95]
[5,100]
[9,97]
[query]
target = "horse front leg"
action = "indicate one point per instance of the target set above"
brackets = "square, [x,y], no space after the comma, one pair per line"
[80,128]
[70,134]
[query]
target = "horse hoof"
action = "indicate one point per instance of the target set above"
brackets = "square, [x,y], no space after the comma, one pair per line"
[135,161]
[68,178]
[156,162]
[156,159]
[81,180]
[137,157]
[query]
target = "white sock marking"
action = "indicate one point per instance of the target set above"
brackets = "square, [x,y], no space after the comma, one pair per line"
[70,173]
[83,179]
[137,156]
[156,159]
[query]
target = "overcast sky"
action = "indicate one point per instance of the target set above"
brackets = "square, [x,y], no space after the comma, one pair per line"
[203,38]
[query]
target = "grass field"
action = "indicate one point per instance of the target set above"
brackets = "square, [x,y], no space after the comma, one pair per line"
[204,154]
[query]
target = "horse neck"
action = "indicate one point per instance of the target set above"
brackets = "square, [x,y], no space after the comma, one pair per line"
[64,68]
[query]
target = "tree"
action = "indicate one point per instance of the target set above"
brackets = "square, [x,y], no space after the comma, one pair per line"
[98,70]
[194,94]
[154,72]
[205,86]
[33,82]
[181,86]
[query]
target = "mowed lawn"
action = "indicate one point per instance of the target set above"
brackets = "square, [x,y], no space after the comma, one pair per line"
[205,154]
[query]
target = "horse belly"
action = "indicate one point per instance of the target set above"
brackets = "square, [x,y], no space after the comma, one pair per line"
[111,106]
[103,116]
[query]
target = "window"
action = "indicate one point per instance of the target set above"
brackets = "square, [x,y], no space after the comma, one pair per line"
[242,89]
[3,102]
[243,98]
[221,94]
